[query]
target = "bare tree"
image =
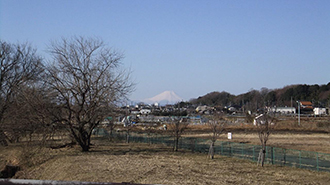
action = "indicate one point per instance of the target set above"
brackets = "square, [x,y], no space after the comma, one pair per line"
[127,126]
[265,124]
[19,66]
[88,82]
[110,126]
[177,128]
[216,124]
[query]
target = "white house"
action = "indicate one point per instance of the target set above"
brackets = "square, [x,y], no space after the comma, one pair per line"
[284,110]
[319,111]
[145,111]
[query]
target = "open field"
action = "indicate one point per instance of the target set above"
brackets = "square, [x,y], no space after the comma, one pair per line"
[157,164]
[315,142]
[313,133]
[152,164]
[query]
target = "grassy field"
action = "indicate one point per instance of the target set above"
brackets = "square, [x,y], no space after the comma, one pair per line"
[157,164]
[316,142]
[313,133]
[147,164]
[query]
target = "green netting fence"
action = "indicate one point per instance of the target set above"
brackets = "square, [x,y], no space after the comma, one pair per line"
[276,156]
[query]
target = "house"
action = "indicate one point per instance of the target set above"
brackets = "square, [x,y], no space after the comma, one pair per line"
[283,110]
[306,105]
[319,111]
[204,109]
[135,111]
[145,111]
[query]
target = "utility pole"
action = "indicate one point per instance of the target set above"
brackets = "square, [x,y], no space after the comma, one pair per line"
[299,114]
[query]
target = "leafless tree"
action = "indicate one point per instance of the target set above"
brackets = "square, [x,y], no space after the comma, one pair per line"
[216,124]
[88,81]
[265,124]
[177,128]
[127,127]
[110,126]
[19,66]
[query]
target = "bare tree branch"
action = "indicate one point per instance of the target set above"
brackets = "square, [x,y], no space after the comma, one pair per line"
[19,66]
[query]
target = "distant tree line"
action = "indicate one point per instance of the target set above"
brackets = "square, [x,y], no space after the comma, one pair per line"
[319,95]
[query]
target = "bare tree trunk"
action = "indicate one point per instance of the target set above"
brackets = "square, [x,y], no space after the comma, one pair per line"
[176,144]
[261,158]
[82,138]
[110,137]
[263,155]
[211,150]
[127,136]
[178,127]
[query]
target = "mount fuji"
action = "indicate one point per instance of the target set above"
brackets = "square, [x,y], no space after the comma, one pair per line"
[166,97]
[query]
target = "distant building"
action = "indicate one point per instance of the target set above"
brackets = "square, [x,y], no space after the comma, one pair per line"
[283,110]
[319,111]
[306,105]
[145,111]
[204,109]
[135,111]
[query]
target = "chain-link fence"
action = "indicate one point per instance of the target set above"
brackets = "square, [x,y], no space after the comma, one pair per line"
[276,156]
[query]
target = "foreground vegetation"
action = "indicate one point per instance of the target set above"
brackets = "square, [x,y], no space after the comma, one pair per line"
[146,164]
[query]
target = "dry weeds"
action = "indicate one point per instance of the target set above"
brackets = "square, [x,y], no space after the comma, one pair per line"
[156,164]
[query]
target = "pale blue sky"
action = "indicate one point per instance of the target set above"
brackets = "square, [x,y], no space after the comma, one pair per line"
[190,47]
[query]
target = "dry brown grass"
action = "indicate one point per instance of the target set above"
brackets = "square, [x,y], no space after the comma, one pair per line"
[156,164]
[313,134]
[309,142]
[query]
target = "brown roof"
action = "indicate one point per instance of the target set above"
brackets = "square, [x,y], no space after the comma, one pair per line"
[306,103]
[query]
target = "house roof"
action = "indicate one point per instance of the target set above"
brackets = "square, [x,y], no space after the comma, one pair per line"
[306,103]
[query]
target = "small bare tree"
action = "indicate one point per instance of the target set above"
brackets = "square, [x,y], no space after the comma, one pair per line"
[216,124]
[111,127]
[88,82]
[177,128]
[127,127]
[265,124]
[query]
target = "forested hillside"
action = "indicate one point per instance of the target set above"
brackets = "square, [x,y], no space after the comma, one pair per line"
[319,95]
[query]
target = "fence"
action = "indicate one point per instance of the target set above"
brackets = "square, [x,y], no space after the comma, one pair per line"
[276,156]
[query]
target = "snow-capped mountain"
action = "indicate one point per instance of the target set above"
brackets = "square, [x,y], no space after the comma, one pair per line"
[166,97]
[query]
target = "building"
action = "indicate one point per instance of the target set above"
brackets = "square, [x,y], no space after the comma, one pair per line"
[283,110]
[145,111]
[319,111]
[306,105]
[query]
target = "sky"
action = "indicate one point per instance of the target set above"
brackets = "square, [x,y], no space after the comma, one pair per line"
[191,47]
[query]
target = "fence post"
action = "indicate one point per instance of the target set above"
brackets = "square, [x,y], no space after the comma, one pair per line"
[242,144]
[221,147]
[274,158]
[254,158]
[284,156]
[299,159]
[272,154]
[267,154]
[317,161]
